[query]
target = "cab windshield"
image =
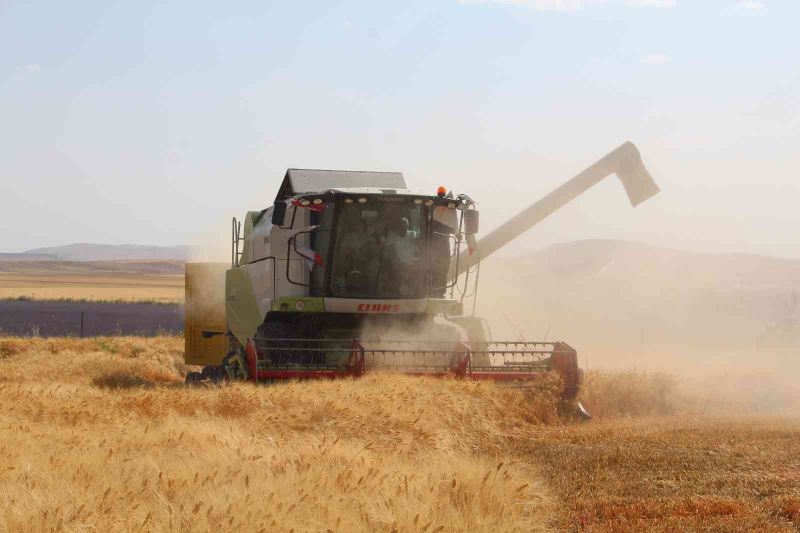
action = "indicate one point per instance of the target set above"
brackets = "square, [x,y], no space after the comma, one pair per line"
[380,250]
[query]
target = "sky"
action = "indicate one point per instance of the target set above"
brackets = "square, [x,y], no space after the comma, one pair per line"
[156,122]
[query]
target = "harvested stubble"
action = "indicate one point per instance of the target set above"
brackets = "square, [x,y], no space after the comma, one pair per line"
[100,434]
[674,474]
[662,455]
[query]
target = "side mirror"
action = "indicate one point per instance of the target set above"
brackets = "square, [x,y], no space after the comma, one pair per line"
[278,213]
[472,219]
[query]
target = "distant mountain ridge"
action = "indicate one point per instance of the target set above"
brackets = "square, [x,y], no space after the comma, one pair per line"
[116,252]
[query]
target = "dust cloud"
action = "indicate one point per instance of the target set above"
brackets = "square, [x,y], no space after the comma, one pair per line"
[213,245]
[205,276]
[411,345]
[727,326]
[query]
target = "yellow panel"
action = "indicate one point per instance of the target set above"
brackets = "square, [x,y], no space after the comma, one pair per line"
[205,311]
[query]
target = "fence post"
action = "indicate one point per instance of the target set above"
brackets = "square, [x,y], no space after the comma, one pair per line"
[81,324]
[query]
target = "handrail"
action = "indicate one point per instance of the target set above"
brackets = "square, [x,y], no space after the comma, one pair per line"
[291,243]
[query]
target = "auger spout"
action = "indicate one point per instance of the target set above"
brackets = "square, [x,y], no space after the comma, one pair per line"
[625,161]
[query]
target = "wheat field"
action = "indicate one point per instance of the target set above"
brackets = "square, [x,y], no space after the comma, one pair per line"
[101,435]
[160,281]
[93,288]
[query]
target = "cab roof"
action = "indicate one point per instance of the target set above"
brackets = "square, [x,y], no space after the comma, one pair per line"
[374,190]
[303,180]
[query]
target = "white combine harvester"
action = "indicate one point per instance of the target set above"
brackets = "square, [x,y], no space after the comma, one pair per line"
[350,272]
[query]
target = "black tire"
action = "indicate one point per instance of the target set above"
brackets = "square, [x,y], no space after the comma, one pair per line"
[214,374]
[193,378]
[231,368]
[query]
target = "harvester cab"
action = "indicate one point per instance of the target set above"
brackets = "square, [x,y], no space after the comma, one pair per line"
[350,272]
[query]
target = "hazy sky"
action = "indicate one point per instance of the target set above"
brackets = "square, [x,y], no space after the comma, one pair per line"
[155,122]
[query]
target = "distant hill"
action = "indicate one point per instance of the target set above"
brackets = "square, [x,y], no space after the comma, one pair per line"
[115,252]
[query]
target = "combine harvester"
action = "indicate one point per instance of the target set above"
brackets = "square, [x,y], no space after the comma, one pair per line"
[352,272]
